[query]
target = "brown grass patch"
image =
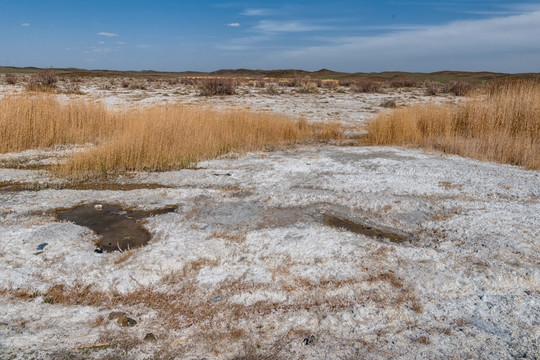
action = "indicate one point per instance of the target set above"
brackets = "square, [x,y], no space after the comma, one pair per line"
[124,256]
[185,304]
[154,139]
[230,235]
[502,125]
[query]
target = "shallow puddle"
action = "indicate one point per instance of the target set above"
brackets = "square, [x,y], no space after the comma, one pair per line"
[365,229]
[119,229]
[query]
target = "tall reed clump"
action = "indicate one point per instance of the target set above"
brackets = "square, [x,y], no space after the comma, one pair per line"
[502,125]
[37,121]
[158,138]
[177,136]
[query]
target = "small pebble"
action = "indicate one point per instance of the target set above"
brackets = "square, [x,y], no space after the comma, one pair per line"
[150,337]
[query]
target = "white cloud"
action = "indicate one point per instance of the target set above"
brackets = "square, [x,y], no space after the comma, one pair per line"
[233,25]
[107,34]
[508,43]
[256,12]
[25,24]
[270,26]
[121,42]
[101,42]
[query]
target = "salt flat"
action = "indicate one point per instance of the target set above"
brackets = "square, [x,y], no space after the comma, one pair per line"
[248,264]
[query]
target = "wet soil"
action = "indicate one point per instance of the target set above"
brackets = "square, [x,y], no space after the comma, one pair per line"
[119,229]
[365,229]
[19,186]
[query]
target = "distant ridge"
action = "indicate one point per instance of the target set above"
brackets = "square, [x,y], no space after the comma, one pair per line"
[443,76]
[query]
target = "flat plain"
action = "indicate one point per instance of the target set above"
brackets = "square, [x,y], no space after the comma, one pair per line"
[319,248]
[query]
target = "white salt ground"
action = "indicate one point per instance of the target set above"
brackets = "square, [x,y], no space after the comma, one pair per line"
[466,285]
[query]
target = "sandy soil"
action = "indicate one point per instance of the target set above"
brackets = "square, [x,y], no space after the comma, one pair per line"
[249,265]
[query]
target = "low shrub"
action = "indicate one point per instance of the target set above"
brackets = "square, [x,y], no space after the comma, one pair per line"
[188,81]
[309,88]
[458,88]
[330,84]
[217,86]
[271,89]
[10,79]
[137,86]
[432,87]
[43,80]
[367,86]
[401,81]
[346,82]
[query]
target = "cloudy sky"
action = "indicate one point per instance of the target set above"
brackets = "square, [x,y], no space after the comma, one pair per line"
[352,36]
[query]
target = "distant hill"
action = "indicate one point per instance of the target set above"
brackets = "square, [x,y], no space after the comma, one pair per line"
[442,76]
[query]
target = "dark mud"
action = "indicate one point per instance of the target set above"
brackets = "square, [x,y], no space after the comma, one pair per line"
[20,186]
[119,229]
[365,229]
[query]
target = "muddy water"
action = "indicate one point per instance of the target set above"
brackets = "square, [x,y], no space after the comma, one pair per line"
[365,229]
[119,229]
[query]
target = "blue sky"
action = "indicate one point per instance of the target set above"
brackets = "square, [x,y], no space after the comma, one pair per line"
[352,36]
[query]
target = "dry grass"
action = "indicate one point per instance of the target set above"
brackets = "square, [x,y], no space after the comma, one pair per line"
[28,122]
[158,138]
[502,125]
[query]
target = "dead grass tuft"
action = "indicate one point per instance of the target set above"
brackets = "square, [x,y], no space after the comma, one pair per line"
[230,235]
[124,256]
[503,126]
